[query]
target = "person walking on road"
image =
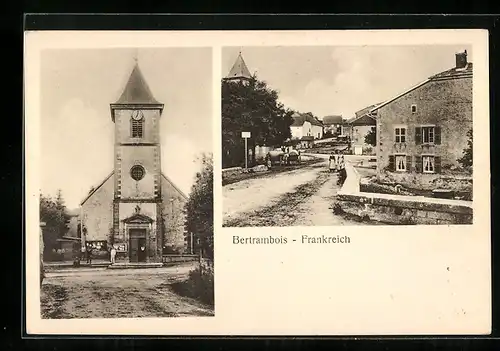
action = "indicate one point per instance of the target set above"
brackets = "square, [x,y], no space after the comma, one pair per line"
[113,255]
[342,171]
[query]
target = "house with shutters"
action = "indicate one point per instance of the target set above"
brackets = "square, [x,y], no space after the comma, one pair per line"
[424,129]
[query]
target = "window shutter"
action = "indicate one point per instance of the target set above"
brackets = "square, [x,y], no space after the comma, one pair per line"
[392,164]
[418,135]
[408,163]
[437,135]
[418,164]
[437,164]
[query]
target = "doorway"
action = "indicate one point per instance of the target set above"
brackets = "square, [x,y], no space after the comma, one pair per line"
[138,249]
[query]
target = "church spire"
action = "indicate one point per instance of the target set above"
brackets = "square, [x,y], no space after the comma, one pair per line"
[239,71]
[136,90]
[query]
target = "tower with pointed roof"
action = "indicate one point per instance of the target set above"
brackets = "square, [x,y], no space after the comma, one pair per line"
[239,72]
[136,208]
[137,182]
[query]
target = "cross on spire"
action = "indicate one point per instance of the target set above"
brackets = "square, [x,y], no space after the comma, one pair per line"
[136,54]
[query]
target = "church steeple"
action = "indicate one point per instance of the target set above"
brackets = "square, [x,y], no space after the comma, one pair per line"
[136,94]
[239,71]
[136,90]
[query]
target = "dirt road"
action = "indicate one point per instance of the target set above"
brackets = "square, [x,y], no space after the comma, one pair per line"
[301,197]
[128,293]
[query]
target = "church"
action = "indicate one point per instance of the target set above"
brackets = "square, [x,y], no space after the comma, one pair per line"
[136,208]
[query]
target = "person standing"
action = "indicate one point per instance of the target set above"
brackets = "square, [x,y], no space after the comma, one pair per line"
[89,254]
[332,162]
[113,254]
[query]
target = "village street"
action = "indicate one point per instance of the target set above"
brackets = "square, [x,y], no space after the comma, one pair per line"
[106,293]
[302,197]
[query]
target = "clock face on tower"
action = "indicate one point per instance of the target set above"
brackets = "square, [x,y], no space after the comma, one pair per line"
[137,115]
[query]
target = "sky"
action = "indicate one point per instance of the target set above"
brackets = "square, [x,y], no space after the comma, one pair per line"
[342,80]
[77,135]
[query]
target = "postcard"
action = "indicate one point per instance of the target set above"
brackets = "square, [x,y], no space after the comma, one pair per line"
[257,182]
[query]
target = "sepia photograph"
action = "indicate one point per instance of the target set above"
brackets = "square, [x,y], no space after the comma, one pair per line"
[350,195]
[126,198]
[347,135]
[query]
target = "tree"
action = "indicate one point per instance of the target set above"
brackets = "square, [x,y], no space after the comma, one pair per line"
[56,218]
[253,108]
[371,137]
[199,209]
[466,159]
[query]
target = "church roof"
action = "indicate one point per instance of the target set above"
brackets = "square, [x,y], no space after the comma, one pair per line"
[113,172]
[137,90]
[239,69]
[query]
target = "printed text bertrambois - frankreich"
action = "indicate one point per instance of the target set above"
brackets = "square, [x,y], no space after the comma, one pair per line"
[305,239]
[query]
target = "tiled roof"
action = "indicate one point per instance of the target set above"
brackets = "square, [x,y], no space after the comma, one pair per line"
[366,110]
[239,69]
[299,119]
[333,119]
[454,73]
[137,90]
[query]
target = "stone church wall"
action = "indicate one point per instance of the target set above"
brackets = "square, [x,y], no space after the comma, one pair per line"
[98,212]
[174,216]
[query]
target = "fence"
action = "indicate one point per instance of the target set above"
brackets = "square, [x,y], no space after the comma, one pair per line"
[168,259]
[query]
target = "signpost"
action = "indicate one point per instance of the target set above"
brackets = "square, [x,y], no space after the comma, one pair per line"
[246,135]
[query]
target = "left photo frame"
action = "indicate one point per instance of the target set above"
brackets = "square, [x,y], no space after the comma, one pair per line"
[125,180]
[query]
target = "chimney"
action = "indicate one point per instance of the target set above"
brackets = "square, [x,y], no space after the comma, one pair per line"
[461,59]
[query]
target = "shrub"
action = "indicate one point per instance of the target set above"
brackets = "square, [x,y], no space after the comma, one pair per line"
[199,285]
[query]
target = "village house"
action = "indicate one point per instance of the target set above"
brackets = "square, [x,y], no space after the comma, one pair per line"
[305,126]
[332,125]
[357,127]
[424,129]
[136,207]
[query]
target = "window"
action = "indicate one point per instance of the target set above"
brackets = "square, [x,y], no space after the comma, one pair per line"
[400,163]
[428,163]
[413,108]
[318,135]
[137,124]
[428,135]
[400,134]
[137,172]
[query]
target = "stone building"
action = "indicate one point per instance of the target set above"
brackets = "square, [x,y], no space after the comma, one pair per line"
[424,129]
[357,127]
[333,124]
[136,208]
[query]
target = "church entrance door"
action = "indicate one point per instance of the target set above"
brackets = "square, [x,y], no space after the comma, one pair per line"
[137,252]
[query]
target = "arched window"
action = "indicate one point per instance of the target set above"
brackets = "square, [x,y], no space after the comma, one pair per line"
[137,124]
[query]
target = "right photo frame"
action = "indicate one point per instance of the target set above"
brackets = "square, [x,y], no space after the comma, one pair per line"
[347,135]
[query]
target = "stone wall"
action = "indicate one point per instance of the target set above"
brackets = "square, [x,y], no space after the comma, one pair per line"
[171,259]
[173,212]
[230,172]
[446,104]
[398,209]
[98,212]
